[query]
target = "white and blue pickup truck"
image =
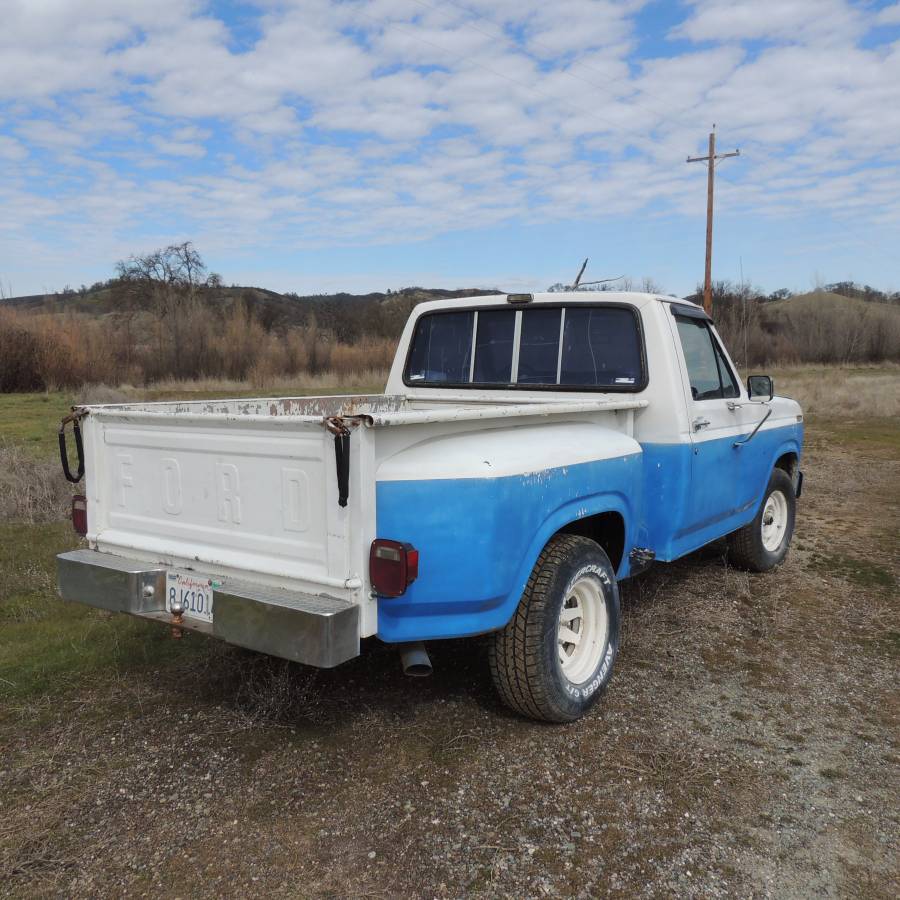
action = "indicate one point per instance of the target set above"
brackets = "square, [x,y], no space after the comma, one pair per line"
[529,452]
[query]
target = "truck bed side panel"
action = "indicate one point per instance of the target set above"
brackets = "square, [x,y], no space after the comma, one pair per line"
[478,539]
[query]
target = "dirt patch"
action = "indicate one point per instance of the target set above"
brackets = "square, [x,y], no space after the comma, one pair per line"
[748,746]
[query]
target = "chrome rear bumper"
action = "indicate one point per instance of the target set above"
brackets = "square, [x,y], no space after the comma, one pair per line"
[313,629]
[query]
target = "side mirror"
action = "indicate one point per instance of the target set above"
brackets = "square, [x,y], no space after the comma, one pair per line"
[759,386]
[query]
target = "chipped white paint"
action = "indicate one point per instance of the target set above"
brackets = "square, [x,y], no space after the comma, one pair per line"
[537,452]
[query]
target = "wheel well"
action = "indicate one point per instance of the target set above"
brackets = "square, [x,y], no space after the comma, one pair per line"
[606,528]
[788,462]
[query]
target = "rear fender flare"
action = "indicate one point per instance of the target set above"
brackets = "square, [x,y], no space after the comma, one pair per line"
[559,519]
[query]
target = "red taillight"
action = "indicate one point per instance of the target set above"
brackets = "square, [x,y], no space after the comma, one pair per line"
[79,513]
[393,567]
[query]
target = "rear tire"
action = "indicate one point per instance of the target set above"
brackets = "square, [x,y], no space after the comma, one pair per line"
[555,657]
[763,544]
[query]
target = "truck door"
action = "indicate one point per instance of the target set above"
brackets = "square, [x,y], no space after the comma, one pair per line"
[714,492]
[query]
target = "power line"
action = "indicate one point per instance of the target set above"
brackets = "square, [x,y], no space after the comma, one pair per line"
[710,159]
[876,252]
[528,87]
[575,107]
[499,33]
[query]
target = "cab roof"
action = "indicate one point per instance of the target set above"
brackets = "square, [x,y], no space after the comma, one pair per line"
[634,298]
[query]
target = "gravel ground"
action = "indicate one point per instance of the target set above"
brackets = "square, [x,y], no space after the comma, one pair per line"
[748,746]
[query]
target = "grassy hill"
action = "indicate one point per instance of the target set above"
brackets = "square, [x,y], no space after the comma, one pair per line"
[822,326]
[118,333]
[332,311]
[124,332]
[816,301]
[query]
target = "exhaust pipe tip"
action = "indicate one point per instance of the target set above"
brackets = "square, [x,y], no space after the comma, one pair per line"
[415,660]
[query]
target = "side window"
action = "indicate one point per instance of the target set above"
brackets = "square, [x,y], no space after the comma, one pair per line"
[494,346]
[701,358]
[730,387]
[441,349]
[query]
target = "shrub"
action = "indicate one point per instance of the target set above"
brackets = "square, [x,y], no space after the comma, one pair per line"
[198,340]
[20,356]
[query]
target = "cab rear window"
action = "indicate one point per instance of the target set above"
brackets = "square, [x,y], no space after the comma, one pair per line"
[441,349]
[580,347]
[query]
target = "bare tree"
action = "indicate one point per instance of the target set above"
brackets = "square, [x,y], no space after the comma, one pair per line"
[169,282]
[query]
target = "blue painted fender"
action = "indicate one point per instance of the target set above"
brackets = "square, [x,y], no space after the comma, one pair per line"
[479,538]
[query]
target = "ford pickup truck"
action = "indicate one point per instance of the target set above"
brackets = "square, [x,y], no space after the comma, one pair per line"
[530,451]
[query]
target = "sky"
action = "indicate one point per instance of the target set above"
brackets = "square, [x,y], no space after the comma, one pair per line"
[316,146]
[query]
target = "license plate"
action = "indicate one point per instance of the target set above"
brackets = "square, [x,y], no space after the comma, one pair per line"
[193,593]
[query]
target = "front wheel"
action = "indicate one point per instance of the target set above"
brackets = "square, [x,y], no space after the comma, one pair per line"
[555,657]
[763,543]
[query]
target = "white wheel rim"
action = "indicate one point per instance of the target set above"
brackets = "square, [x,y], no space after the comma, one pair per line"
[774,521]
[583,630]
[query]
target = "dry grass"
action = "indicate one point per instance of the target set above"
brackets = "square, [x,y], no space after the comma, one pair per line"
[31,490]
[746,742]
[198,341]
[832,391]
[872,391]
[820,328]
[329,381]
[63,351]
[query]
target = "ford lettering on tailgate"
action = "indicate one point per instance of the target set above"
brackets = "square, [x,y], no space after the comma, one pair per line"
[215,497]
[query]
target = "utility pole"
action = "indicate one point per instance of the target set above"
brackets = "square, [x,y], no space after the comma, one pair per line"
[710,161]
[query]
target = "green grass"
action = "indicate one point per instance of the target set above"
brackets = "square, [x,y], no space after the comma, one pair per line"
[48,646]
[865,436]
[860,572]
[33,420]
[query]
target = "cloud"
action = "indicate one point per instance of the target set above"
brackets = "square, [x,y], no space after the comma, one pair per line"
[831,21]
[375,121]
[170,147]
[12,149]
[890,15]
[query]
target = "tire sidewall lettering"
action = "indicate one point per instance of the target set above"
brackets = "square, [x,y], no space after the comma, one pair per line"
[581,693]
[585,691]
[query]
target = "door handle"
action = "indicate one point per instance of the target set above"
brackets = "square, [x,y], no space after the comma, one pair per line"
[699,423]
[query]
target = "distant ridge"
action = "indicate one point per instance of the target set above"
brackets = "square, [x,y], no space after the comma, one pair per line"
[818,300]
[347,315]
[103,299]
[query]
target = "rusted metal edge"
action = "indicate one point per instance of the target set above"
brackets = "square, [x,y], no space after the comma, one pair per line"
[517,410]
[372,419]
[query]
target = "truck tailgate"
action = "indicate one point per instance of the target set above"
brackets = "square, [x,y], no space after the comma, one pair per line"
[236,494]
